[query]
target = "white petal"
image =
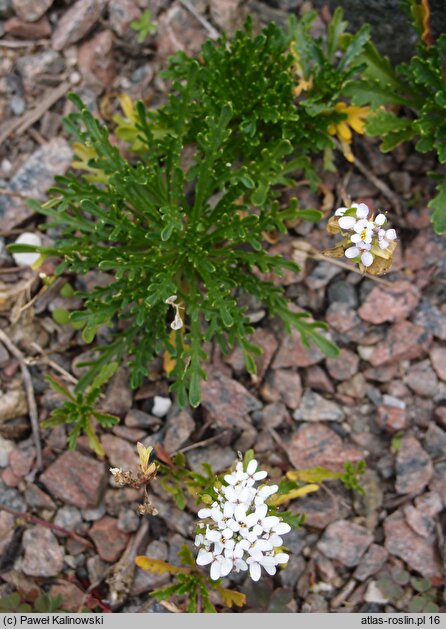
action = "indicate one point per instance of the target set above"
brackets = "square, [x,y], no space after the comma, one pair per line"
[27,259]
[340,211]
[362,211]
[383,243]
[260,475]
[391,234]
[240,513]
[276,541]
[262,545]
[270,569]
[204,513]
[212,535]
[360,225]
[270,522]
[356,238]
[252,466]
[282,528]
[216,514]
[228,533]
[226,566]
[228,510]
[281,558]
[261,511]
[239,564]
[380,219]
[255,571]
[366,258]
[230,479]
[215,570]
[203,558]
[347,222]
[351,252]
[251,519]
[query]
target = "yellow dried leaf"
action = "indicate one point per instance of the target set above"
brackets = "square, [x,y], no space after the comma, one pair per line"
[313,475]
[157,566]
[334,252]
[231,597]
[333,225]
[280,499]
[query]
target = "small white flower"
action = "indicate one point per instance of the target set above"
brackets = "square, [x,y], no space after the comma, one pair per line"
[385,237]
[360,250]
[27,259]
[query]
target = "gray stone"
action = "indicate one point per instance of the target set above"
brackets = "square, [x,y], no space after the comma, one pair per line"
[10,497]
[344,292]
[315,408]
[68,517]
[221,458]
[43,555]
[345,541]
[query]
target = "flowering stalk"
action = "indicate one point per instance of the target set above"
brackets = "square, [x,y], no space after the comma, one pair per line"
[366,241]
[238,533]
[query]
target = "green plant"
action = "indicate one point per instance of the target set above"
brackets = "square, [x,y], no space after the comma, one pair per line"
[144,26]
[80,409]
[189,584]
[187,219]
[43,603]
[409,101]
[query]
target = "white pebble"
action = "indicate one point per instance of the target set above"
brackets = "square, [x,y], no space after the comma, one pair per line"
[27,259]
[161,406]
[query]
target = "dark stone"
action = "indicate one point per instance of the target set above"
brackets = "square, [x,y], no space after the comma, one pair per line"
[391,30]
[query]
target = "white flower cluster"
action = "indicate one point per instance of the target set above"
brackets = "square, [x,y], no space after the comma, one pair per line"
[367,233]
[239,533]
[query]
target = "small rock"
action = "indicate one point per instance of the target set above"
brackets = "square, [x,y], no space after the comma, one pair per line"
[121,13]
[391,418]
[7,527]
[73,599]
[138,419]
[226,401]
[374,594]
[128,520]
[24,30]
[221,458]
[226,15]
[355,387]
[161,406]
[343,292]
[178,30]
[119,452]
[178,430]
[30,10]
[144,580]
[38,499]
[177,520]
[76,22]
[315,408]
[418,552]
[13,402]
[21,461]
[75,479]
[293,570]
[274,415]
[9,478]
[288,385]
[91,515]
[133,435]
[343,367]
[372,561]
[404,341]
[438,482]
[43,555]
[315,444]
[432,319]
[6,446]
[292,353]
[96,569]
[345,541]
[32,67]
[5,8]
[11,498]
[108,539]
[95,60]
[17,106]
[421,378]
[418,521]
[320,509]
[435,441]
[401,181]
[438,359]
[390,303]
[316,378]
[321,275]
[413,467]
[34,178]
[118,395]
[429,503]
[68,517]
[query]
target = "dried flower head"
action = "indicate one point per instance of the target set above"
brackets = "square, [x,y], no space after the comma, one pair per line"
[366,241]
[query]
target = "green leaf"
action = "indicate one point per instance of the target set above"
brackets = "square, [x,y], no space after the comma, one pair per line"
[438,204]
[61,316]
[310,215]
